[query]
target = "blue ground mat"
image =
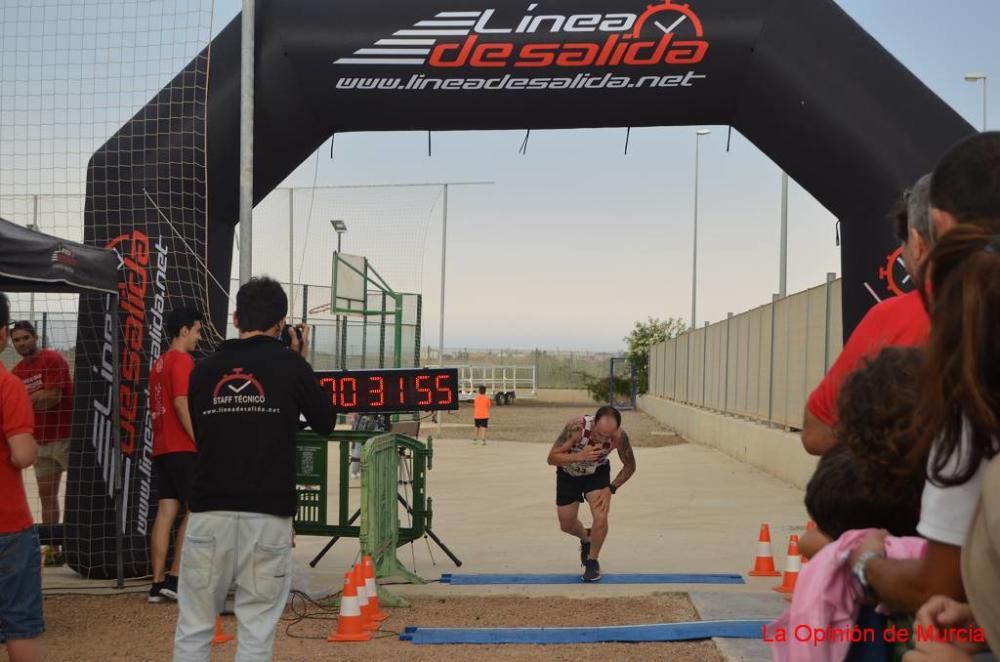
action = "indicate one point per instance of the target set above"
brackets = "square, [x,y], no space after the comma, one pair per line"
[743,629]
[606,579]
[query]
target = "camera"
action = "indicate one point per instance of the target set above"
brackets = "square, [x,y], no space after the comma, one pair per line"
[286,335]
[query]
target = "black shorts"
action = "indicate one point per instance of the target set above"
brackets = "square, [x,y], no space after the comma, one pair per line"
[571,489]
[175,473]
[482,422]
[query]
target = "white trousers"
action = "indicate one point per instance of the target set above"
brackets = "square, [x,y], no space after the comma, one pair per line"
[254,551]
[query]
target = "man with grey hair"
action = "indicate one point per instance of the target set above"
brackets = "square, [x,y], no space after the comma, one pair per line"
[917,238]
[900,321]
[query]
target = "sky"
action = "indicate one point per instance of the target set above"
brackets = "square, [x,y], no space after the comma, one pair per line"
[571,244]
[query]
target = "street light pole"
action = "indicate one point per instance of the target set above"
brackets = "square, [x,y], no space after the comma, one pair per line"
[444,253]
[694,261]
[975,78]
[246,139]
[340,228]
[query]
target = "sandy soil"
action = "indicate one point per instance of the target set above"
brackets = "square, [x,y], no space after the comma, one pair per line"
[541,422]
[126,627]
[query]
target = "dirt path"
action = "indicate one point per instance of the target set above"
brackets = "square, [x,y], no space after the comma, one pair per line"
[541,422]
[126,627]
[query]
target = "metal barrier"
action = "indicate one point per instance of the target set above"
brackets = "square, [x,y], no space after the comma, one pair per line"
[388,462]
[380,532]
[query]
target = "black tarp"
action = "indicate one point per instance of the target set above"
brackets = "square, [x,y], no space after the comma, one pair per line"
[35,262]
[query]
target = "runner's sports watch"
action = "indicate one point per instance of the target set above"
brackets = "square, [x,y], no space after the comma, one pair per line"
[612,488]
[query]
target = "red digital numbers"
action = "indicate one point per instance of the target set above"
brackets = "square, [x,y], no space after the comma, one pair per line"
[376,391]
[424,390]
[446,400]
[353,384]
[331,384]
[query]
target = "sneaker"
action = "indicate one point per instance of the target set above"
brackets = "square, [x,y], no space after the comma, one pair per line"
[592,571]
[154,593]
[584,550]
[169,588]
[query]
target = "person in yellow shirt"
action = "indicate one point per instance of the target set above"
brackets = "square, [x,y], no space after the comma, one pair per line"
[481,415]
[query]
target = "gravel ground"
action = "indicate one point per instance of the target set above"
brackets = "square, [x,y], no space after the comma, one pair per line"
[541,422]
[126,627]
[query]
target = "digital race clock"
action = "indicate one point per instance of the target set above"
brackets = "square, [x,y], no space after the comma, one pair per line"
[391,390]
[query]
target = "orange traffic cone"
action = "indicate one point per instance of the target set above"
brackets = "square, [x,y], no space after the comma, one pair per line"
[349,624]
[220,635]
[358,577]
[377,615]
[792,566]
[763,565]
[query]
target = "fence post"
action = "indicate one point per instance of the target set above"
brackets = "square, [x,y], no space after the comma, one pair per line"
[343,343]
[770,377]
[704,363]
[725,397]
[830,277]
[305,304]
[675,341]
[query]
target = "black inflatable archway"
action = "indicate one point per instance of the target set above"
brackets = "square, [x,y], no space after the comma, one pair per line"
[799,78]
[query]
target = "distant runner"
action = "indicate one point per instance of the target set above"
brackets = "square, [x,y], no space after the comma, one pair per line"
[583,471]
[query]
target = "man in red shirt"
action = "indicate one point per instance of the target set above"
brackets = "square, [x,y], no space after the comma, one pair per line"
[46,375]
[901,321]
[21,622]
[174,450]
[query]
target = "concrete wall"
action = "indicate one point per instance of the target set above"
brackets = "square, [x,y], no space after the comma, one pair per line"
[760,364]
[775,451]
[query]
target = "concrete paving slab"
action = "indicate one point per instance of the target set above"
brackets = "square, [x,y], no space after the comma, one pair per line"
[689,508]
[745,605]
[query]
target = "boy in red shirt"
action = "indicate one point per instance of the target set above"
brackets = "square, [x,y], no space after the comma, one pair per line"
[21,622]
[46,375]
[174,450]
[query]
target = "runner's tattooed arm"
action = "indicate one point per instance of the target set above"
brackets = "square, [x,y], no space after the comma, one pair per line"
[628,460]
[560,453]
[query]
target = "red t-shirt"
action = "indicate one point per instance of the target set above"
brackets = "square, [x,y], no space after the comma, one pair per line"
[16,417]
[897,322]
[169,380]
[48,370]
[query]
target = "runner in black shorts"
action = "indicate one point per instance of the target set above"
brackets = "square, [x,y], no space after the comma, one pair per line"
[583,472]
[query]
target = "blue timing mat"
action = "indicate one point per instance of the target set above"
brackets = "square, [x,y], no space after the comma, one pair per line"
[606,579]
[743,629]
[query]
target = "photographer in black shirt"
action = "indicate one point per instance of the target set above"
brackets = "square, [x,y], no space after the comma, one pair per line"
[245,401]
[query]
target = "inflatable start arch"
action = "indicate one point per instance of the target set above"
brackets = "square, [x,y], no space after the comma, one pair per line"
[798,78]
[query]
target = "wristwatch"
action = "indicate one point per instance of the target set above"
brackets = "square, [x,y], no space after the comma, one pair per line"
[859,573]
[612,488]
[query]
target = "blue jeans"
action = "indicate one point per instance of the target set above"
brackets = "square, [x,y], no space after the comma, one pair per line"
[20,586]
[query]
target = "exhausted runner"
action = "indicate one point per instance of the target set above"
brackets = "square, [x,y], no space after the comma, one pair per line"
[583,471]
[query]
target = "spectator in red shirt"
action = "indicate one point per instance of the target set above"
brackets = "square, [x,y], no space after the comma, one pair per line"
[897,322]
[21,622]
[46,375]
[174,450]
